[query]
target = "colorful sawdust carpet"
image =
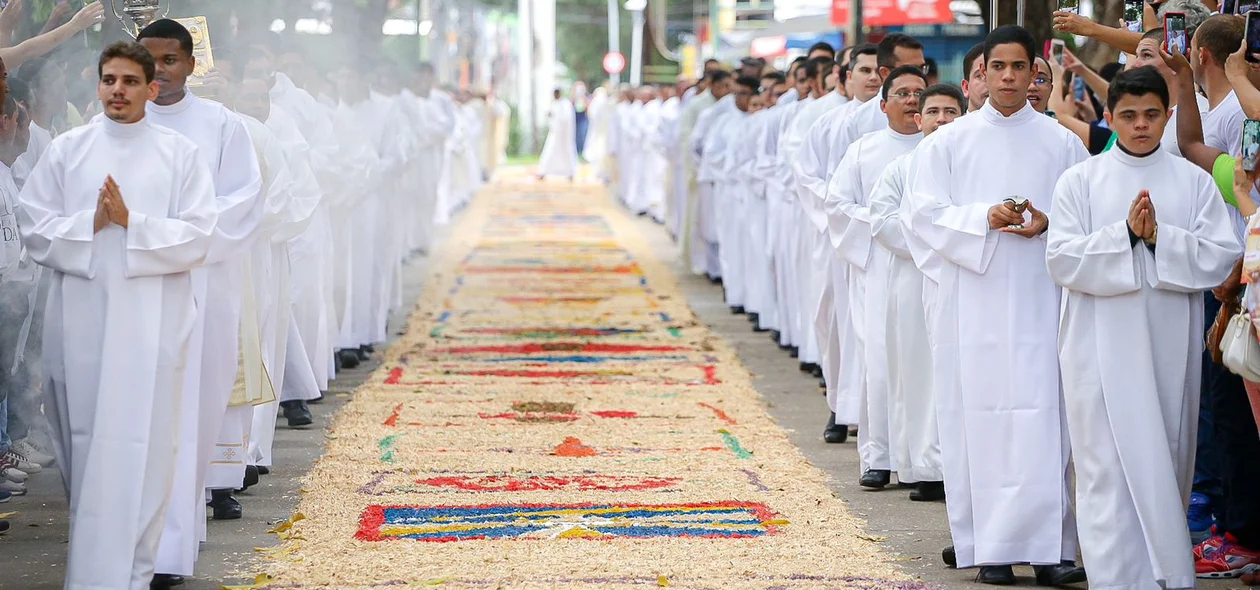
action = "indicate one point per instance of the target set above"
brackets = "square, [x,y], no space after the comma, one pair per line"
[557,417]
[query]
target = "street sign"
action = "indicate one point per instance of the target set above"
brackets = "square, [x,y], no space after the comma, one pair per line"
[614,63]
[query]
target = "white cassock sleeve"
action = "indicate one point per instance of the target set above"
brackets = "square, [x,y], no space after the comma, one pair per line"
[959,233]
[164,245]
[1198,258]
[306,194]
[1099,263]
[238,184]
[849,222]
[52,238]
[810,167]
[885,207]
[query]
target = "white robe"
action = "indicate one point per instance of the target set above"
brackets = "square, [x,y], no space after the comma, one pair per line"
[685,201]
[707,135]
[117,330]
[824,306]
[224,146]
[1003,439]
[915,440]
[305,126]
[847,206]
[730,196]
[781,197]
[675,176]
[559,153]
[1131,341]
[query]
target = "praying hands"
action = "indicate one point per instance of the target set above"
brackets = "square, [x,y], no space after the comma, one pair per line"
[110,207]
[1142,217]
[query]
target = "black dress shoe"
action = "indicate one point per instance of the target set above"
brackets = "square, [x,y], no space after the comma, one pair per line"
[225,506]
[297,414]
[349,358]
[362,354]
[737,310]
[164,581]
[1059,575]
[264,470]
[996,575]
[928,491]
[835,433]
[794,352]
[251,477]
[817,372]
[4,526]
[875,478]
[774,335]
[809,368]
[753,317]
[822,383]
[949,557]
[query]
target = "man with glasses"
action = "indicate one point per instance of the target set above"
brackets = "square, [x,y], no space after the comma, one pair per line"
[863,260]
[1041,87]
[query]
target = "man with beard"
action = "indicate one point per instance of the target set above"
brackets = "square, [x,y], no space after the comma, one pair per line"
[225,148]
[121,240]
[1003,442]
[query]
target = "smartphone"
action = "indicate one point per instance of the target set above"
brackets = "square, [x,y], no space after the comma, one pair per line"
[1056,50]
[1175,32]
[1253,36]
[1250,144]
[1133,14]
[1072,6]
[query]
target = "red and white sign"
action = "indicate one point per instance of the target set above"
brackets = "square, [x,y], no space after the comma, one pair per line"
[894,13]
[614,63]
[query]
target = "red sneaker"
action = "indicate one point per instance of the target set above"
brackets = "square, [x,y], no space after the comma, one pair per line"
[1228,561]
[1208,547]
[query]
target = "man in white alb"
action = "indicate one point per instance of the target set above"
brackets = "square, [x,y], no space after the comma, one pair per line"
[559,155]
[121,210]
[209,456]
[912,404]
[1003,441]
[1137,235]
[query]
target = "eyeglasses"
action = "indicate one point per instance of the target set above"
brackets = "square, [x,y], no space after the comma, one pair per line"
[903,95]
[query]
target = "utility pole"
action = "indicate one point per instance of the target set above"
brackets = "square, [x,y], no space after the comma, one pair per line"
[614,36]
[636,8]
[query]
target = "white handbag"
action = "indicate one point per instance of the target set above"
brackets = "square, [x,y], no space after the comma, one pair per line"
[1240,351]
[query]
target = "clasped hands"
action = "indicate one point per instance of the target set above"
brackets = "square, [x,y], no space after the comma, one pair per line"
[1142,218]
[1004,218]
[110,207]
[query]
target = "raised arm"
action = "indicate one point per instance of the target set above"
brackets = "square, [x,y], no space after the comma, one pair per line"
[1075,24]
[36,46]
[1189,122]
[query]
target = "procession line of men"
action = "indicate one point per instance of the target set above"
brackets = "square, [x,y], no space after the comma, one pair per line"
[215,262]
[980,297]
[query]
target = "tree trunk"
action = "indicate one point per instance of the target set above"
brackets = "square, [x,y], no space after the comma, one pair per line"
[1037,16]
[1096,54]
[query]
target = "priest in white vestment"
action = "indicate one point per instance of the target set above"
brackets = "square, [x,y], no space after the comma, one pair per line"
[821,293]
[912,405]
[559,153]
[1003,440]
[121,210]
[849,225]
[692,244]
[757,171]
[678,220]
[782,198]
[704,234]
[208,457]
[1137,236]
